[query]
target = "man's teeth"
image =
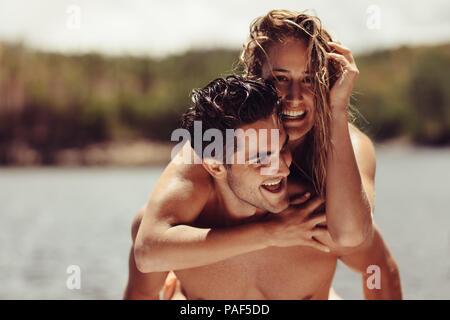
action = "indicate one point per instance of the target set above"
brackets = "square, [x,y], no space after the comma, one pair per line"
[272,183]
[293,113]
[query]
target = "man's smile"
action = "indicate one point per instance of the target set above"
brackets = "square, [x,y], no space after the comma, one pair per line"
[274,186]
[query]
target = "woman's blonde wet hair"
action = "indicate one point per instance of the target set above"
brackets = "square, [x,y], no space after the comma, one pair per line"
[275,28]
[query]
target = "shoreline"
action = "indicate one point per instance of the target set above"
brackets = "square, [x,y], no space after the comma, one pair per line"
[139,153]
[123,153]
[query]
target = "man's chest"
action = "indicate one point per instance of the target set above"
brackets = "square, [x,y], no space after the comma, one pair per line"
[273,273]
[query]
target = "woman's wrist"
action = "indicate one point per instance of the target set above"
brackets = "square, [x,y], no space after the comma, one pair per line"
[339,116]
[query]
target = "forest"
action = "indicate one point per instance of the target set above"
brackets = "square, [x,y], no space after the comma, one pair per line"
[53,101]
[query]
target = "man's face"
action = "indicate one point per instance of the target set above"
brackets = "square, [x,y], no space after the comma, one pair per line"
[262,180]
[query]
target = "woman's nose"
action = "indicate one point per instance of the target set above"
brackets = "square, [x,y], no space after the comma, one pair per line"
[295,92]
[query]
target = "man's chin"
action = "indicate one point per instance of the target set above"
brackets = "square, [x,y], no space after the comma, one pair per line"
[277,200]
[279,207]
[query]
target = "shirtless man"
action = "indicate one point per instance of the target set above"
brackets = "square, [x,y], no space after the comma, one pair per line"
[210,224]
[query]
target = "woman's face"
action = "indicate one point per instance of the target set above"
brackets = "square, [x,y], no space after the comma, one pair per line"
[287,66]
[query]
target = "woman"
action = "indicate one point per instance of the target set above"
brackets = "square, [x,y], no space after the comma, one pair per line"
[314,77]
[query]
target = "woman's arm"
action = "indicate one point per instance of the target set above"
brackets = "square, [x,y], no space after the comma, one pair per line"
[376,253]
[350,172]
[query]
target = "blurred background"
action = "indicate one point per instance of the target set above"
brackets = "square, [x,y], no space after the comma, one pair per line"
[90,92]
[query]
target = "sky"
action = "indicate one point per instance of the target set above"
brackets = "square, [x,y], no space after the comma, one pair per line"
[161,27]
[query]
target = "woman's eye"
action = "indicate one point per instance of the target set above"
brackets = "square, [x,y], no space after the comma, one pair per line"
[281,78]
[307,80]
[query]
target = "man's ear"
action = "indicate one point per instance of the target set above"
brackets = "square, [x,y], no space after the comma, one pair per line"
[215,168]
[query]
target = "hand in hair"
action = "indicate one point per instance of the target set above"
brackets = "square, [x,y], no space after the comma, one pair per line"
[341,90]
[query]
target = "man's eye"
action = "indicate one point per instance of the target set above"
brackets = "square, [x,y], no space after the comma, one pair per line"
[255,161]
[258,162]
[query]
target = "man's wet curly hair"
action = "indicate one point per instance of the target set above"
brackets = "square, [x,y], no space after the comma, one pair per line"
[229,103]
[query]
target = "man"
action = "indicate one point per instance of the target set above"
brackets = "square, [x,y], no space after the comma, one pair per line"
[226,229]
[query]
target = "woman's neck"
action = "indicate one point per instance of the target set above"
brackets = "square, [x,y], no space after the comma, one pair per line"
[300,160]
[297,145]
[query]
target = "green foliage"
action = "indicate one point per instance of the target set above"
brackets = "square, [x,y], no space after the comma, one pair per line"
[405,92]
[430,98]
[51,101]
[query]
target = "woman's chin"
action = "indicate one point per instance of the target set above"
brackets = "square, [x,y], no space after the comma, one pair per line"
[296,135]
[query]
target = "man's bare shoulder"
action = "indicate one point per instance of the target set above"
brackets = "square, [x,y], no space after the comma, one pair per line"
[182,188]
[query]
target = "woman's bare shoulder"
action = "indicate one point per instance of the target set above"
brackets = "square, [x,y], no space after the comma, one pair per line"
[359,137]
[364,149]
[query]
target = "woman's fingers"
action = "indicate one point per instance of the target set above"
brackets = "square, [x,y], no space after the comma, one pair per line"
[341,91]
[300,198]
[350,71]
[313,204]
[318,245]
[321,233]
[318,220]
[342,50]
[338,46]
[339,58]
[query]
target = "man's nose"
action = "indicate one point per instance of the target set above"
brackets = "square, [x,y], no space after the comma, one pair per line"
[279,166]
[288,157]
[284,163]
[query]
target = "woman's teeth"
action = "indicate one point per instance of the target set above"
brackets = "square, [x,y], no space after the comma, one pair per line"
[293,114]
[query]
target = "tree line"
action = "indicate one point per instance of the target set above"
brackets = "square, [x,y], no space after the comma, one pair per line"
[51,101]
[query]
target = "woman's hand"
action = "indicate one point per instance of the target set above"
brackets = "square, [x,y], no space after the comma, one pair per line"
[340,93]
[298,225]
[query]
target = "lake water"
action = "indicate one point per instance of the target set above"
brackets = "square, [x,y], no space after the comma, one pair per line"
[51,218]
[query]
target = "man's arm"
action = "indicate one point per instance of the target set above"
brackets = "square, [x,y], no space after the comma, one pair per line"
[166,239]
[375,253]
[142,286]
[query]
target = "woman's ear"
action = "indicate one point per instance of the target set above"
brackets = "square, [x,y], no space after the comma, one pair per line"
[215,168]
